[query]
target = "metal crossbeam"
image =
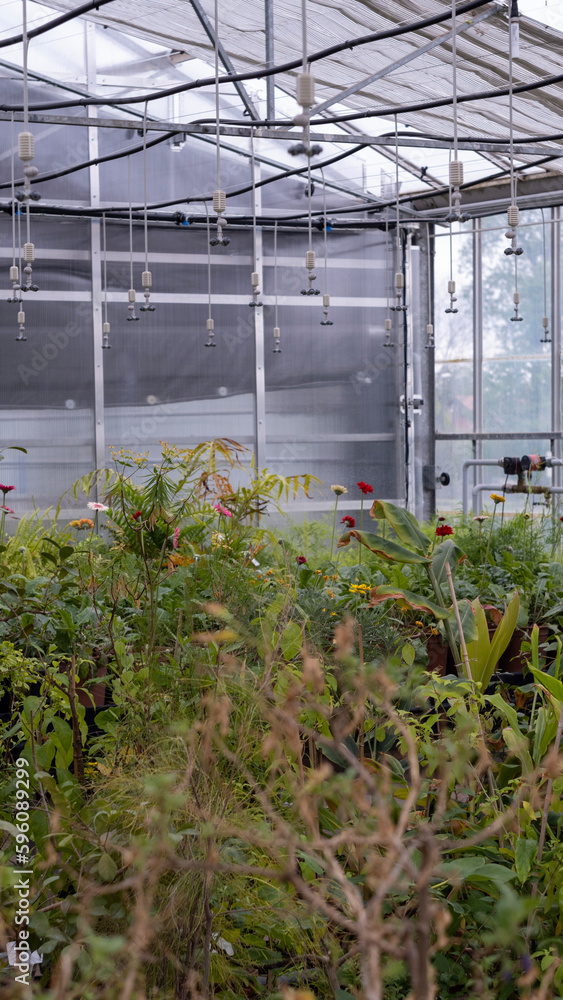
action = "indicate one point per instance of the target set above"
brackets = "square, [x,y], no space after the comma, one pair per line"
[288,134]
[225,59]
[406,59]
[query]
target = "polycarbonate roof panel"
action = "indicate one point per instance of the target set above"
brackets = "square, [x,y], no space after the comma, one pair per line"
[482,48]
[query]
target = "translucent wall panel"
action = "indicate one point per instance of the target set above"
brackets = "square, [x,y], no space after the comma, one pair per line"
[161,382]
[48,380]
[453,331]
[332,394]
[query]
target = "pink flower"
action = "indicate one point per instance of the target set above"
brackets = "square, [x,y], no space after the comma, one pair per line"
[97,506]
[6,489]
[175,538]
[7,509]
[222,510]
[301,560]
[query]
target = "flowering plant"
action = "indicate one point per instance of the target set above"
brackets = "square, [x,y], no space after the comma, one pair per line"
[444,529]
[364,487]
[348,521]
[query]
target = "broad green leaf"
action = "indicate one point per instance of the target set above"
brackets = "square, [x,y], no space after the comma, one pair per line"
[478,650]
[468,623]
[502,636]
[8,828]
[408,654]
[524,856]
[63,731]
[517,742]
[382,547]
[404,524]
[551,684]
[446,552]
[405,599]
[291,641]
[107,868]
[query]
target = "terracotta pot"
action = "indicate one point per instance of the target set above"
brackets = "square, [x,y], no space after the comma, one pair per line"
[94,691]
[512,661]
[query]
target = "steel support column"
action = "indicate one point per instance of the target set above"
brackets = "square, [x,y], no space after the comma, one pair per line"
[556,422]
[477,342]
[95,248]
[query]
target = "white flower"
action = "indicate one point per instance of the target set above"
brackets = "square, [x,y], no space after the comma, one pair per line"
[97,506]
[339,490]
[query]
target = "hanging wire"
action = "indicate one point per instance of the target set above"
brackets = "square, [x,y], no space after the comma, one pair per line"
[310,256]
[210,324]
[277,348]
[454,76]
[546,339]
[254,278]
[388,323]
[131,294]
[21,315]
[14,270]
[219,196]
[512,213]
[146,277]
[326,297]
[105,326]
[429,326]
[399,276]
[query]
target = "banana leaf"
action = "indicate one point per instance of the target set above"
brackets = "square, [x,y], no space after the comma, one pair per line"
[446,552]
[384,547]
[405,599]
[485,653]
[404,524]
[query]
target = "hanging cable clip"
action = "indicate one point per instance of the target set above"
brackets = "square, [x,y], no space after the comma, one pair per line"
[429,337]
[219,206]
[277,334]
[305,96]
[326,304]
[310,259]
[146,279]
[516,318]
[21,320]
[14,278]
[210,333]
[254,278]
[399,289]
[131,307]
[546,339]
[388,342]
[451,293]
[106,346]
[513,216]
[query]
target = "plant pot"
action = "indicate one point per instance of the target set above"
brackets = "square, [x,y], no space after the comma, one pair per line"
[97,692]
[512,660]
[437,655]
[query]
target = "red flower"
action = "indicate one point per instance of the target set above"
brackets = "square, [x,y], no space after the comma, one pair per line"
[136,515]
[6,489]
[444,529]
[441,518]
[365,487]
[301,560]
[348,521]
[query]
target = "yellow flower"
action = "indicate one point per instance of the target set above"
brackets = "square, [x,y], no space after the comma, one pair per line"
[335,576]
[497,498]
[338,490]
[434,631]
[420,623]
[332,614]
[326,577]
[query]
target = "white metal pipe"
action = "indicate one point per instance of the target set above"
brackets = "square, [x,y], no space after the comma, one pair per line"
[471,463]
[481,487]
